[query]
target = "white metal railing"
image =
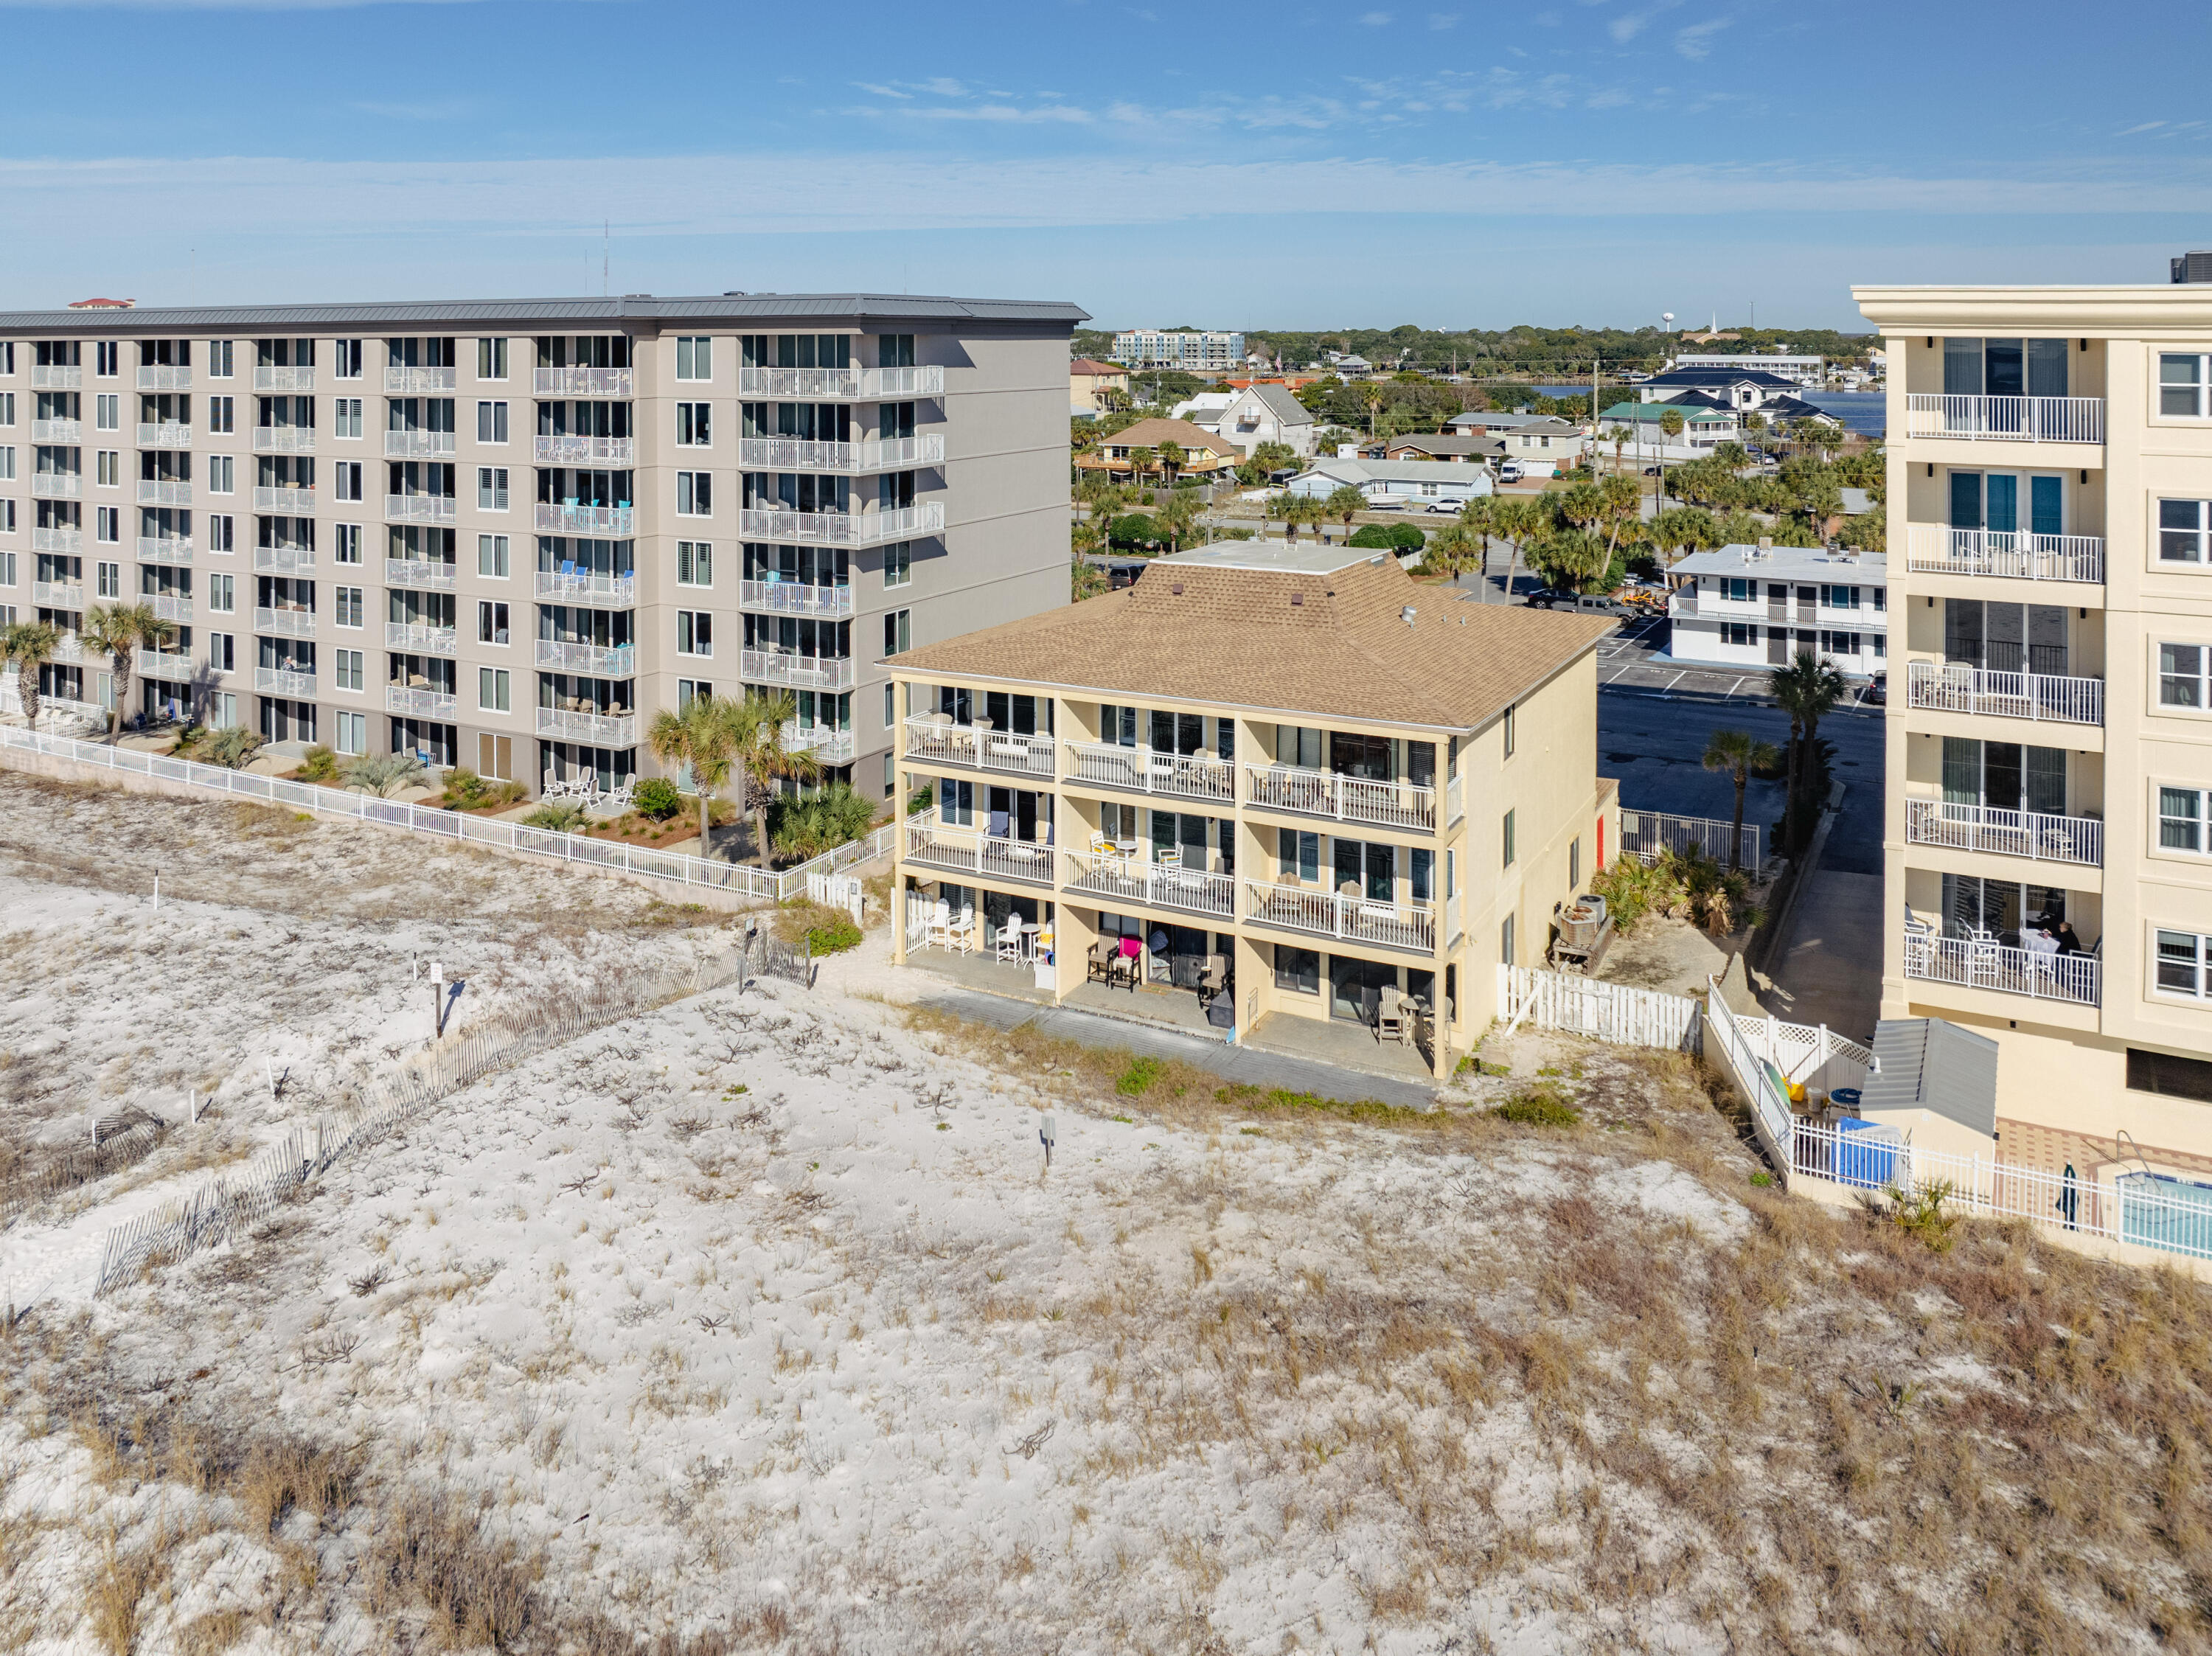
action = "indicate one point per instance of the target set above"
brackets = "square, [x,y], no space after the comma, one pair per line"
[58,540]
[1455,805]
[792,598]
[68,647]
[169,606]
[56,431]
[934,736]
[2008,419]
[966,851]
[415,700]
[405,381]
[1324,913]
[169,433]
[167,665]
[600,660]
[2011,833]
[582,382]
[284,622]
[869,454]
[165,376]
[1932,548]
[56,379]
[865,384]
[842,528]
[417,444]
[283,378]
[164,491]
[1983,963]
[64,485]
[420,509]
[1344,798]
[283,439]
[799,672]
[1456,916]
[1646,834]
[1155,885]
[432,572]
[415,636]
[1947,686]
[284,559]
[57,595]
[293,502]
[556,519]
[568,450]
[284,681]
[598,587]
[601,729]
[829,747]
[1151,770]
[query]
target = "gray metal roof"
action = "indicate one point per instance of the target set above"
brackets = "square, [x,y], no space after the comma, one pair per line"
[1928,1063]
[764,309]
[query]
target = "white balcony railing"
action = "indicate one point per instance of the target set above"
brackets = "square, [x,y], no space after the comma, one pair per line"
[430,572]
[283,439]
[284,559]
[168,433]
[1322,914]
[592,586]
[564,450]
[797,672]
[70,647]
[57,540]
[2010,832]
[869,454]
[792,597]
[164,491]
[1155,885]
[406,382]
[828,747]
[57,595]
[1934,549]
[282,378]
[283,681]
[599,660]
[555,518]
[602,729]
[839,528]
[420,509]
[1983,963]
[170,606]
[62,485]
[965,851]
[865,385]
[56,379]
[934,736]
[168,664]
[293,502]
[419,703]
[2006,419]
[583,382]
[417,444]
[1149,770]
[164,376]
[1947,687]
[1455,807]
[285,622]
[56,431]
[164,549]
[1343,799]
[414,637]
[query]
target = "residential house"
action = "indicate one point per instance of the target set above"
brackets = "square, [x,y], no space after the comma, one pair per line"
[1703,427]
[1203,453]
[1755,607]
[1441,484]
[1741,389]
[1268,413]
[1094,387]
[1205,410]
[1466,450]
[1806,371]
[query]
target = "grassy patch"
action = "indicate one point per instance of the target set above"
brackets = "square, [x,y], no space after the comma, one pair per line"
[1539,1106]
[1139,1078]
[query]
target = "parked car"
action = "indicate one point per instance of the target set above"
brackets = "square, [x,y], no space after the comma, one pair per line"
[1599,603]
[1545,598]
[1451,506]
[1877,691]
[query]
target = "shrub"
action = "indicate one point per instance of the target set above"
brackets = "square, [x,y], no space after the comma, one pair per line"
[382,773]
[1137,1080]
[561,816]
[823,930]
[233,749]
[1920,1214]
[657,798]
[921,800]
[321,765]
[1539,1106]
[807,824]
[466,790]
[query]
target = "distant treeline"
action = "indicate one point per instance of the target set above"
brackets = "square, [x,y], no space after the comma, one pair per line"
[1519,350]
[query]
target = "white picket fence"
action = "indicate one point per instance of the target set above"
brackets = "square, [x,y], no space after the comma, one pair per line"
[678,870]
[838,891]
[1611,1012]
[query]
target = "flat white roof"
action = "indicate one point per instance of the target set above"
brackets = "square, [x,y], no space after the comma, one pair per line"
[1304,557]
[1812,562]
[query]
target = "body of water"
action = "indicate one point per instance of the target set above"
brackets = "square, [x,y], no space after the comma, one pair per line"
[1866,412]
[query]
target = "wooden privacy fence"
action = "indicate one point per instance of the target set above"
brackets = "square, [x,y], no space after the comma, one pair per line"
[1605,1011]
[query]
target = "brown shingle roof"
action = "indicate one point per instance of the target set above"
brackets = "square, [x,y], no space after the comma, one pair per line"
[1090,365]
[1291,639]
[1151,433]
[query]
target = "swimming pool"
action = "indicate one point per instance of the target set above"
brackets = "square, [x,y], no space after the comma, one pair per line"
[2158,1211]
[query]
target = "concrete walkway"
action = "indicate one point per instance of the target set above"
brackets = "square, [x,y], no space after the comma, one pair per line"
[1832,971]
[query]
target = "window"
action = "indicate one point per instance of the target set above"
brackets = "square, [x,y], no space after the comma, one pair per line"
[2180,966]
[346,480]
[1298,856]
[108,358]
[109,462]
[1839,598]
[8,526]
[352,666]
[491,489]
[222,710]
[349,543]
[110,578]
[221,531]
[898,563]
[898,632]
[1298,970]
[2170,1076]
[694,564]
[108,526]
[890,706]
[346,360]
[2181,675]
[1507,722]
[1505,834]
[108,411]
[8,464]
[349,606]
[7,407]
[345,417]
[695,633]
[223,414]
[491,418]
[222,652]
[689,690]
[491,361]
[1505,953]
[491,557]
[221,360]
[695,494]
[222,477]
[891,775]
[223,593]
[2181,384]
[695,357]
[693,425]
[1739,632]
[2181,531]
[353,733]
[1574,864]
[492,690]
[491,622]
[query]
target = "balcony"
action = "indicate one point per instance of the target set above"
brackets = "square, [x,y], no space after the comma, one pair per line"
[293,502]
[2078,839]
[68,647]
[935,737]
[857,385]
[57,595]
[420,509]
[2006,419]
[164,376]
[797,672]
[283,681]
[418,638]
[285,622]
[56,431]
[1128,880]
[556,519]
[839,528]
[283,439]
[828,747]
[417,444]
[280,379]
[567,450]
[403,382]
[791,598]
[582,382]
[430,572]
[1303,793]
[1947,687]
[965,851]
[168,433]
[1933,549]
[595,587]
[870,454]
[418,703]
[1149,770]
[601,729]
[170,606]
[164,548]
[1362,921]
[57,540]
[170,664]
[600,661]
[164,491]
[284,559]
[1983,963]
[59,485]
[56,379]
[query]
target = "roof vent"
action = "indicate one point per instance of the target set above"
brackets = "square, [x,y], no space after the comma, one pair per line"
[1177,589]
[2193,267]
[1407,615]
[1298,600]
[1766,545]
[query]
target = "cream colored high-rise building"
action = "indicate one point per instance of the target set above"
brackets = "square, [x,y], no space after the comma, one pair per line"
[2048,835]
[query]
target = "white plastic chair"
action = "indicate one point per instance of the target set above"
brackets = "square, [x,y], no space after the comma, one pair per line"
[938,933]
[1009,939]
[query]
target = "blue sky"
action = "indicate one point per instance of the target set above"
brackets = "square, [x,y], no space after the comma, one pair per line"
[1448,164]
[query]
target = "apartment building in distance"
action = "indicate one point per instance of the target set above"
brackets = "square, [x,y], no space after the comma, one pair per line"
[506,533]
[1753,608]
[2048,837]
[1196,353]
[1285,774]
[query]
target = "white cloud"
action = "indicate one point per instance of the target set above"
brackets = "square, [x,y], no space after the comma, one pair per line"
[1375,19]
[1696,40]
[1443,20]
[2145,126]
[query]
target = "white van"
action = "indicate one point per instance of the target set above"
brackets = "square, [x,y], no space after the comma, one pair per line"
[1509,472]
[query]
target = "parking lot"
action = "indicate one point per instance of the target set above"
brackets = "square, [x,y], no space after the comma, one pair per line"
[1632,658]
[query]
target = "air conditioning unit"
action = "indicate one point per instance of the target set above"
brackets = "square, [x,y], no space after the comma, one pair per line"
[2193,267]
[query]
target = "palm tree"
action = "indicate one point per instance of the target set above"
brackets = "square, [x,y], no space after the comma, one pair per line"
[27,645]
[756,741]
[1178,517]
[1738,754]
[1172,457]
[1345,502]
[703,737]
[1808,689]
[1140,462]
[1624,500]
[122,630]
[1452,549]
[1374,397]
[1516,517]
[1479,518]
[1573,557]
[1670,427]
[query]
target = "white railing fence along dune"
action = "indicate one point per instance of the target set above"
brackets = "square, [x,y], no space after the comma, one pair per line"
[1612,1012]
[1644,834]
